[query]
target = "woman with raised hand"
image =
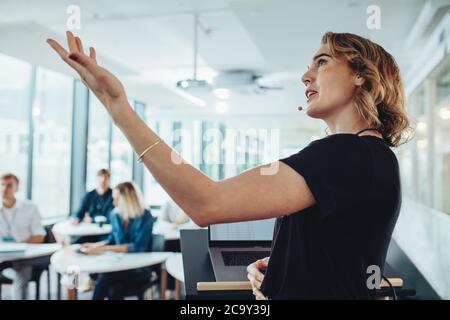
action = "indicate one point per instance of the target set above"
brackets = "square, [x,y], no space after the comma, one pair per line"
[337,200]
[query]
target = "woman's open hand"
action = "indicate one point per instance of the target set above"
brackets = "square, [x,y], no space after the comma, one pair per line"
[103,83]
[256,277]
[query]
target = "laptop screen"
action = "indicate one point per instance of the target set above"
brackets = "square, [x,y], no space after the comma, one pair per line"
[259,230]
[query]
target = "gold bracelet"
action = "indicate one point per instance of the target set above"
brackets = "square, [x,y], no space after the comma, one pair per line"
[139,160]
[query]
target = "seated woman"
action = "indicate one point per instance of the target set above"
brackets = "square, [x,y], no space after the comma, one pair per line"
[132,226]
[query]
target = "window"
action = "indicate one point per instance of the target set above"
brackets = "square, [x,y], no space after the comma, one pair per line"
[98,141]
[121,157]
[154,194]
[14,131]
[211,153]
[442,142]
[423,189]
[425,161]
[52,114]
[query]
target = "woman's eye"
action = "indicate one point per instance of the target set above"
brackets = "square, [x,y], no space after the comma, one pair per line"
[321,62]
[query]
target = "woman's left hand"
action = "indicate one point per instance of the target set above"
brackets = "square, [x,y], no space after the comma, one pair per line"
[256,277]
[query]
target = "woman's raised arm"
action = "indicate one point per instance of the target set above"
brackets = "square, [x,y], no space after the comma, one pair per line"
[251,195]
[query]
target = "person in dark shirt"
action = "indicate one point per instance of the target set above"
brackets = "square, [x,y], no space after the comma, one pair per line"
[97,202]
[132,227]
[336,201]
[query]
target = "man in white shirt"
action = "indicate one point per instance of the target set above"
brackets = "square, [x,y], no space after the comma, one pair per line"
[19,222]
[171,213]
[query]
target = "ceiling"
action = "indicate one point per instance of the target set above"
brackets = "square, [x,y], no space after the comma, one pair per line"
[149,43]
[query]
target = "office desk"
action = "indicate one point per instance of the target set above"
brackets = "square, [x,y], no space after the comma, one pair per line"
[68,262]
[66,228]
[198,268]
[32,251]
[34,254]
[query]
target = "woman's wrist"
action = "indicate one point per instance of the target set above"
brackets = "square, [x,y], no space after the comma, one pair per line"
[120,110]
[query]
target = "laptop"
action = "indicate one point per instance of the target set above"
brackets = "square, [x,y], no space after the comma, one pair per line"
[233,246]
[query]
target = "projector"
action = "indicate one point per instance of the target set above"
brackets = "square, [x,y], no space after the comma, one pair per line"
[235,79]
[192,84]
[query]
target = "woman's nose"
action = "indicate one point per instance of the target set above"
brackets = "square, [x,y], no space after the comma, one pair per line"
[307,77]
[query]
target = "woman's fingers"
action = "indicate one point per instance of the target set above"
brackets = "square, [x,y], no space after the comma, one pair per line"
[76,58]
[256,286]
[76,66]
[58,48]
[85,61]
[93,54]
[262,263]
[64,55]
[71,42]
[254,269]
[259,296]
[79,45]
[253,281]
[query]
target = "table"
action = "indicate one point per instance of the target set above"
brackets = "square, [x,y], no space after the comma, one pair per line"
[33,254]
[33,251]
[68,262]
[174,267]
[66,228]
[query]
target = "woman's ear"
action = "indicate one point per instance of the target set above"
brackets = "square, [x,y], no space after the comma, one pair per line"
[359,81]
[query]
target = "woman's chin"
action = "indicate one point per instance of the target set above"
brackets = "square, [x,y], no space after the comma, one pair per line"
[313,111]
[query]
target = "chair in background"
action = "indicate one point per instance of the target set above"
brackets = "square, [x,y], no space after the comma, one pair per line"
[158,245]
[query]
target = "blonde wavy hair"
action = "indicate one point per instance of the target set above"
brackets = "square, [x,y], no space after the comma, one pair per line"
[130,201]
[381,99]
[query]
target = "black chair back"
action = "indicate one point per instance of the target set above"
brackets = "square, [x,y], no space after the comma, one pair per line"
[49,236]
[159,243]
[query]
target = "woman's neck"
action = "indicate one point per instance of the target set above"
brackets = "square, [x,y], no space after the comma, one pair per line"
[348,121]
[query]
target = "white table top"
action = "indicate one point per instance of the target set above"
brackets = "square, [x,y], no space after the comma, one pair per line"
[174,266]
[67,258]
[32,251]
[66,228]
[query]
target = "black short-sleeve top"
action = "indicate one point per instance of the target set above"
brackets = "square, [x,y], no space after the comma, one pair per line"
[324,251]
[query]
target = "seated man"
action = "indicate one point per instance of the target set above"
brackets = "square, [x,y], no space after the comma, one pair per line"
[97,202]
[174,215]
[19,222]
